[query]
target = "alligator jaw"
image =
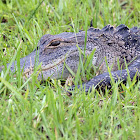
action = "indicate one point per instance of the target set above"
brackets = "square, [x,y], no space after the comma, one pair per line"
[54,52]
[45,69]
[52,62]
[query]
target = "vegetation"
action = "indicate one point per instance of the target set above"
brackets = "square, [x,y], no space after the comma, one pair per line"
[30,109]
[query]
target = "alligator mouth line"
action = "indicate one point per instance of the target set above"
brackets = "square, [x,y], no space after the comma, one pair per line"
[45,68]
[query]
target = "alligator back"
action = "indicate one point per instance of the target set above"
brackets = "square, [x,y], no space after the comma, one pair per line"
[126,43]
[120,43]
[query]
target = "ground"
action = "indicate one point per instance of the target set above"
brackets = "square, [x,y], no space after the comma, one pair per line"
[30,109]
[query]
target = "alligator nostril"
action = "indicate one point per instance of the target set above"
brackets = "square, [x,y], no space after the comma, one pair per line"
[55,43]
[37,48]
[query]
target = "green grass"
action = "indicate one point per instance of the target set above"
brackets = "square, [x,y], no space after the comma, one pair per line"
[30,110]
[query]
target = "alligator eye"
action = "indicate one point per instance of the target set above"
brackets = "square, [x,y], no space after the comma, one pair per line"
[55,43]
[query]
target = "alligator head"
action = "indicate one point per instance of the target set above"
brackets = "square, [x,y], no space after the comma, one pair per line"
[54,52]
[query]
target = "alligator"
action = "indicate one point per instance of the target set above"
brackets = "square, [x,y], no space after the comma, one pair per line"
[54,52]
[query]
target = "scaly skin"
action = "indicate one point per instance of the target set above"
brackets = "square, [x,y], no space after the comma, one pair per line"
[54,51]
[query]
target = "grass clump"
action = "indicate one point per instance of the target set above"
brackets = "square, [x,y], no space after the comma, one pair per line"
[30,110]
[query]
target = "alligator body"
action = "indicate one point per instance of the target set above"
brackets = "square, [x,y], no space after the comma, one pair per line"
[54,51]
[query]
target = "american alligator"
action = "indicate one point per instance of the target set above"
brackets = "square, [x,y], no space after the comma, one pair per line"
[54,51]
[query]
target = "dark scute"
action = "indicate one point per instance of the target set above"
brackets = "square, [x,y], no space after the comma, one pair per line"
[123,30]
[108,28]
[122,27]
[93,29]
[134,30]
[111,29]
